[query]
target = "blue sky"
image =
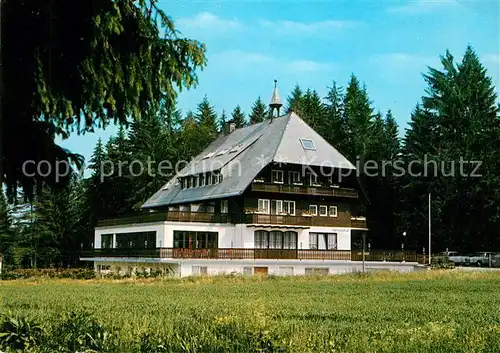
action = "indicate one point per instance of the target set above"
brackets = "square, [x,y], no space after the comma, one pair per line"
[387,44]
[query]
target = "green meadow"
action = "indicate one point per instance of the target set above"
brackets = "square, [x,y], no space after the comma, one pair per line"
[437,311]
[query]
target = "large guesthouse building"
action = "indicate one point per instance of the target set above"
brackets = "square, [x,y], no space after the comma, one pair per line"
[272,197]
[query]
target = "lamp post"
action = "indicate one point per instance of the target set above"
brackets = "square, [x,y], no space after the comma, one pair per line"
[403,246]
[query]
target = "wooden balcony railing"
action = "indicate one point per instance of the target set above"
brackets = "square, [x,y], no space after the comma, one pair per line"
[298,220]
[242,253]
[305,190]
[179,216]
[358,223]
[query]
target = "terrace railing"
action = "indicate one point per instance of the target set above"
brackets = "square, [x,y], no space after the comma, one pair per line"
[305,190]
[255,218]
[244,253]
[179,216]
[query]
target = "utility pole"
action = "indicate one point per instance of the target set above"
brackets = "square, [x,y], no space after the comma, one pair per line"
[430,253]
[1,97]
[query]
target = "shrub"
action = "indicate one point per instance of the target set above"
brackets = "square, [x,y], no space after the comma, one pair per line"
[73,273]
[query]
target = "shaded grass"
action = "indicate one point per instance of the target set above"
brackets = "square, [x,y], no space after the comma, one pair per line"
[438,311]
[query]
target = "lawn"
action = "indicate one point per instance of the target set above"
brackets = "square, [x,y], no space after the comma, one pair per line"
[386,312]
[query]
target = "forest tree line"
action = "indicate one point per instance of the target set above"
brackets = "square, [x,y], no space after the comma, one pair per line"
[457,117]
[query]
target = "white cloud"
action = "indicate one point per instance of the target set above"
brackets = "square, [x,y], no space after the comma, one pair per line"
[207,21]
[238,60]
[422,6]
[492,58]
[404,60]
[307,28]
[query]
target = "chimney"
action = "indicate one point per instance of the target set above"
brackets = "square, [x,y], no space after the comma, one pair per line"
[232,126]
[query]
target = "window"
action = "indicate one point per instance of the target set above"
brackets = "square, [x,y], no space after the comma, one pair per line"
[323,210]
[201,181]
[194,181]
[313,210]
[290,240]
[294,178]
[210,206]
[308,144]
[136,240]
[275,240]
[263,206]
[107,241]
[188,182]
[276,206]
[277,176]
[323,241]
[183,183]
[224,206]
[285,271]
[199,270]
[316,271]
[215,178]
[313,179]
[289,207]
[247,271]
[333,211]
[195,240]
[261,239]
[208,179]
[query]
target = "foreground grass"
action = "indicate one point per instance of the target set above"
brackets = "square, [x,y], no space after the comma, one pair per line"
[417,312]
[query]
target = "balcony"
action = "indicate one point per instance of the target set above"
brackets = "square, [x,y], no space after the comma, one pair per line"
[359,222]
[305,190]
[307,221]
[175,216]
[249,254]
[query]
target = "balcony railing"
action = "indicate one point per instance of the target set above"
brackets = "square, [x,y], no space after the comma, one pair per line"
[242,254]
[303,220]
[179,216]
[305,190]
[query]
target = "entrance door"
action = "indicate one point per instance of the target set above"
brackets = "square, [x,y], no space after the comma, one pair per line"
[260,270]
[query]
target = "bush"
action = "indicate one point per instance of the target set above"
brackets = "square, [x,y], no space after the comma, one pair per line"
[442,262]
[73,273]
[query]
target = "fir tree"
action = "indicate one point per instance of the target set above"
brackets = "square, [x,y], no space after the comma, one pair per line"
[238,117]
[259,112]
[293,101]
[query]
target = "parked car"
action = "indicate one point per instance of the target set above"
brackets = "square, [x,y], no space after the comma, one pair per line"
[480,259]
[456,258]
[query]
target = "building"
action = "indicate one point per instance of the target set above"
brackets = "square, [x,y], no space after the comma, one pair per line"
[273,197]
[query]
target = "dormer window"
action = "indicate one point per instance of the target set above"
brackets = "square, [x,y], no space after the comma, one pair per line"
[202,180]
[308,144]
[194,181]
[294,178]
[277,176]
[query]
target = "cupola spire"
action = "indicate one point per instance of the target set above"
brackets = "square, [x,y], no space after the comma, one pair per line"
[275,101]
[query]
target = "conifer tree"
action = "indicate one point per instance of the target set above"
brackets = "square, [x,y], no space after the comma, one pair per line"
[238,117]
[294,99]
[259,112]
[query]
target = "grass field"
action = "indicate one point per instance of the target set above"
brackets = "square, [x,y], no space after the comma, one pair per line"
[418,312]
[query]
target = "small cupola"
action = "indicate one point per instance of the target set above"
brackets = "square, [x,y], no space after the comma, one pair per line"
[275,101]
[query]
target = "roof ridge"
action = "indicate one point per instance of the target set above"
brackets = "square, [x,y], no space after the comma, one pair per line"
[289,116]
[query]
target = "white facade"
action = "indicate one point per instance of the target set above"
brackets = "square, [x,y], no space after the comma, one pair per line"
[230,235]
[237,236]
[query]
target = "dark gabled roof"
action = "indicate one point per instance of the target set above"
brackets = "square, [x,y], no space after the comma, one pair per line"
[246,152]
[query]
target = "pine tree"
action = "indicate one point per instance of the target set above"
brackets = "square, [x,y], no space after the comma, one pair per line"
[312,111]
[335,127]
[207,118]
[223,123]
[294,99]
[238,117]
[259,112]
[358,118]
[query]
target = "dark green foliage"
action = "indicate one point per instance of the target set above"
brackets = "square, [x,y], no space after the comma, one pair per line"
[19,333]
[74,66]
[207,118]
[238,117]
[259,112]
[293,101]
